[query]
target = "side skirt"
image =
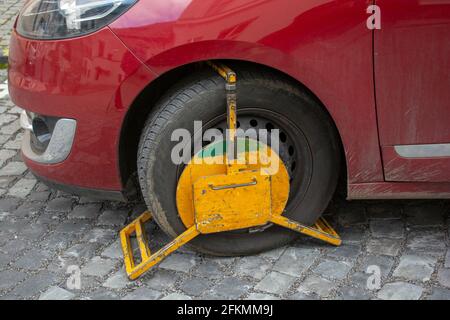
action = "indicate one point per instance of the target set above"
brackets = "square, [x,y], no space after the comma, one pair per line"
[399,190]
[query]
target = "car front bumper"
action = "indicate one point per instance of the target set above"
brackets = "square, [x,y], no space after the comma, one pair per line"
[87,84]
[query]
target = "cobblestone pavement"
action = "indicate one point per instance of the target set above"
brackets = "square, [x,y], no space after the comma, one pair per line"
[48,237]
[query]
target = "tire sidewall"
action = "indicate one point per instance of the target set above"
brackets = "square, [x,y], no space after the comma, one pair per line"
[205,102]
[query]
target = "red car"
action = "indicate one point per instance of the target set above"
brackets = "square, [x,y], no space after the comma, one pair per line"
[356,90]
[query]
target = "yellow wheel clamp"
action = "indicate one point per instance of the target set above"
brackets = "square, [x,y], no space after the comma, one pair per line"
[225,191]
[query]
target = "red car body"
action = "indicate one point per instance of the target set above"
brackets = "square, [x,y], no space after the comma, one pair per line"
[386,90]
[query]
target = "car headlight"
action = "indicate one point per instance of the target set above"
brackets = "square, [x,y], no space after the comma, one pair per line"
[59,19]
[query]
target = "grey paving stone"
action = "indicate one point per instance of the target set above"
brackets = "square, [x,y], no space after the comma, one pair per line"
[87,283]
[223,261]
[113,217]
[14,226]
[90,211]
[101,294]
[13,168]
[11,128]
[33,260]
[352,215]
[428,214]
[176,296]
[274,254]
[387,229]
[447,259]
[15,109]
[388,247]
[275,283]
[28,209]
[195,286]
[15,143]
[82,251]
[295,261]
[35,284]
[98,267]
[60,205]
[7,118]
[360,280]
[39,196]
[428,241]
[10,278]
[400,291]
[261,296]
[5,155]
[439,294]
[56,242]
[5,181]
[101,236]
[330,269]
[49,219]
[73,227]
[5,259]
[384,211]
[14,247]
[209,269]
[57,293]
[160,279]
[385,264]
[118,280]
[316,285]
[444,277]
[60,265]
[179,262]
[231,288]
[253,266]
[345,251]
[34,231]
[351,293]
[3,138]
[8,204]
[10,297]
[41,187]
[352,234]
[22,188]
[143,294]
[302,296]
[415,268]
[113,251]
[84,200]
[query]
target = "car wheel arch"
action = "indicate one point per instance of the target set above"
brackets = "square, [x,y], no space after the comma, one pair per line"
[144,103]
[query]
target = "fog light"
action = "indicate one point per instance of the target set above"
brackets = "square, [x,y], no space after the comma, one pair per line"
[41,133]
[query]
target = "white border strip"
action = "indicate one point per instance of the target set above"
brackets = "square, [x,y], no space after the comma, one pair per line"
[424,150]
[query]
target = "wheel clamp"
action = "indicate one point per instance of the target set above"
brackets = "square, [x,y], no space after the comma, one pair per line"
[240,197]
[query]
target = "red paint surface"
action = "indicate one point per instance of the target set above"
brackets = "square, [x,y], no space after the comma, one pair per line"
[412,69]
[415,169]
[324,44]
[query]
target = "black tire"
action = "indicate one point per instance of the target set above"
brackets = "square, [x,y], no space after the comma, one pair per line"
[266,95]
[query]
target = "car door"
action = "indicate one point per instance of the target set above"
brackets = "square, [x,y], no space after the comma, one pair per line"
[412,78]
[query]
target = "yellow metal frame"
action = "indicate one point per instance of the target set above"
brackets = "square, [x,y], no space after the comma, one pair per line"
[321,230]
[148,260]
[243,196]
